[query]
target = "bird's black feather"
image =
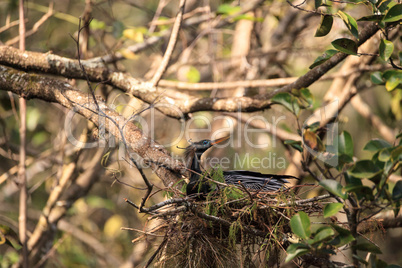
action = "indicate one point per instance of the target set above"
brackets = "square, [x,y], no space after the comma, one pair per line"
[255,180]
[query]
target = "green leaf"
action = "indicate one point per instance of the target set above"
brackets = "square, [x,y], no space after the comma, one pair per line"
[136,34]
[344,236]
[368,247]
[376,145]
[385,154]
[394,14]
[371,18]
[306,99]
[397,191]
[287,100]
[227,9]
[9,236]
[323,58]
[331,209]
[233,193]
[323,233]
[325,26]
[117,29]
[376,78]
[345,45]
[193,75]
[386,49]
[334,188]
[360,259]
[296,250]
[392,83]
[313,127]
[295,144]
[390,73]
[361,191]
[383,5]
[396,106]
[365,169]
[97,24]
[345,144]
[247,17]
[350,23]
[300,224]
[344,159]
[317,3]
[396,153]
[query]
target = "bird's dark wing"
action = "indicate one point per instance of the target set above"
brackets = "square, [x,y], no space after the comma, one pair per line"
[256,181]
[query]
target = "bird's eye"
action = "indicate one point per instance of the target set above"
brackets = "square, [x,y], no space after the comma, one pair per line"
[205,142]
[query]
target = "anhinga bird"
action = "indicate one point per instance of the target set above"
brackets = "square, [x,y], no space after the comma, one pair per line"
[249,179]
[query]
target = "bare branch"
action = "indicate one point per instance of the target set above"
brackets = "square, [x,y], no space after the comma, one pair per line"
[35,28]
[275,82]
[9,25]
[22,178]
[172,43]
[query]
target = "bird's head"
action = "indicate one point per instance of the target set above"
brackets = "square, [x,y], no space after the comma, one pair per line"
[199,147]
[203,145]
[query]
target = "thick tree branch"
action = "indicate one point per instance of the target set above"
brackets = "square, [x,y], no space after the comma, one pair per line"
[34,86]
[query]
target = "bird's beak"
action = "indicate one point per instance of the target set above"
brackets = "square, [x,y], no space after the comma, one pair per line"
[219,140]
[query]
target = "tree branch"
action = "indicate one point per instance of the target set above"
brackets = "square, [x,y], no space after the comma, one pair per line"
[34,86]
[22,177]
[177,108]
[172,43]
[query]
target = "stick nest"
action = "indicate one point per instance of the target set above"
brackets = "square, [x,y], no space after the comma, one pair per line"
[229,227]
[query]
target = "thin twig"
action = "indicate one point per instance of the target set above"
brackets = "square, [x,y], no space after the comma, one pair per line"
[310,11]
[22,180]
[131,203]
[165,203]
[172,43]
[245,189]
[9,25]
[274,82]
[157,14]
[169,212]
[35,28]
[140,231]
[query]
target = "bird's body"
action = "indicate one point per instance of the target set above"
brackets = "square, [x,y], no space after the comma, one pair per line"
[251,180]
[256,181]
